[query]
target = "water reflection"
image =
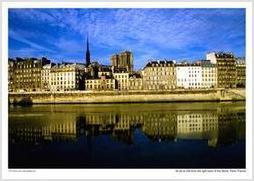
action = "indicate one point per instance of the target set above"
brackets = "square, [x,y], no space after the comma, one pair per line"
[217,123]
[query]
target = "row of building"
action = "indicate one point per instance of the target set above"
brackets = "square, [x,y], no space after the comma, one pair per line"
[219,70]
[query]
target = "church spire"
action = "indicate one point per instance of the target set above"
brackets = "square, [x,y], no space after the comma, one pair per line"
[88,62]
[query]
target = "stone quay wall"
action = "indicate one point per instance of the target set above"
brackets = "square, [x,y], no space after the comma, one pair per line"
[86,97]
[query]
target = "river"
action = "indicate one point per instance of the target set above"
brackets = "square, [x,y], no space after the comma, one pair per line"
[156,135]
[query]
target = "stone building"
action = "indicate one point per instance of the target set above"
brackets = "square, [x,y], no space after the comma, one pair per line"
[240,72]
[135,82]
[45,76]
[93,84]
[103,83]
[92,70]
[159,75]
[209,74]
[122,60]
[10,75]
[104,70]
[100,78]
[64,77]
[226,68]
[122,80]
[27,74]
[189,76]
[198,75]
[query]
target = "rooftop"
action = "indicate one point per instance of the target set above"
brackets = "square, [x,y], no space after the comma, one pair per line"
[159,63]
[223,54]
[71,65]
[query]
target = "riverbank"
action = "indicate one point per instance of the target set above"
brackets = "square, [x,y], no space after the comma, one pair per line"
[86,97]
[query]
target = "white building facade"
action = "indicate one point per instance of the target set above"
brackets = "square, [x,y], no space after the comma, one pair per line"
[188,76]
[66,77]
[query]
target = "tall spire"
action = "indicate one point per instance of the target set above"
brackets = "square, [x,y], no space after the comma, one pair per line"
[88,62]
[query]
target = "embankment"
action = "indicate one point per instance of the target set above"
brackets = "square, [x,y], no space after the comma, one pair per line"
[127,96]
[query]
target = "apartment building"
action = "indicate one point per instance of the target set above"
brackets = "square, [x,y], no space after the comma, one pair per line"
[26,73]
[122,80]
[159,75]
[135,82]
[209,74]
[189,76]
[64,77]
[103,83]
[226,68]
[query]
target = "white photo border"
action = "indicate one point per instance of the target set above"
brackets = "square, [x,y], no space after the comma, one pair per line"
[125,173]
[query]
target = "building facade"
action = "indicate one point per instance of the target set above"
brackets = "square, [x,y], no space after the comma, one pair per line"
[104,70]
[102,83]
[240,73]
[219,70]
[135,82]
[189,76]
[159,75]
[27,74]
[10,75]
[92,84]
[209,75]
[45,76]
[122,80]
[226,68]
[65,77]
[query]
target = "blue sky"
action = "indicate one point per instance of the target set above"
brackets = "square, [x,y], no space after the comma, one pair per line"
[176,34]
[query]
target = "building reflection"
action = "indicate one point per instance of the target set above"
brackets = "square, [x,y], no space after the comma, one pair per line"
[41,130]
[218,127]
[231,127]
[202,125]
[160,126]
